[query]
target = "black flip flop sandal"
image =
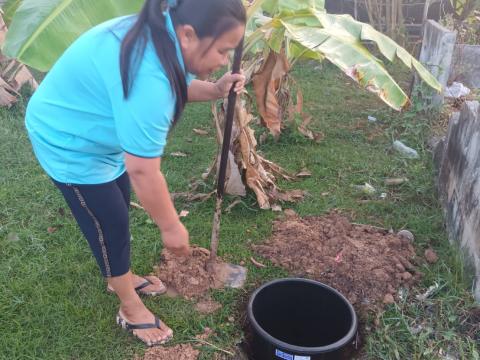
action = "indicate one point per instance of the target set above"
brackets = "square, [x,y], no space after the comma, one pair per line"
[130,327]
[143,286]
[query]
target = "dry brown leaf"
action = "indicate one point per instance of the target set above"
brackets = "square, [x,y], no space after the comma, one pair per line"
[266,83]
[136,206]
[178,154]
[257,264]
[13,74]
[233,182]
[200,132]
[299,101]
[255,172]
[289,196]
[304,173]
[51,229]
[276,208]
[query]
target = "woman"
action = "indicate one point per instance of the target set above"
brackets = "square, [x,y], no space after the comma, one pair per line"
[105,110]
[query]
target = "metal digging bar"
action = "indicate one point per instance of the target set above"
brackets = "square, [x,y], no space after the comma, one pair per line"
[227,136]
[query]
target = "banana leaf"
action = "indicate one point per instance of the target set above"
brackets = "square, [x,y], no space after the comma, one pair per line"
[353,59]
[346,25]
[9,7]
[41,30]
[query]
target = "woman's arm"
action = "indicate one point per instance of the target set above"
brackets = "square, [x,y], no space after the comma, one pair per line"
[206,91]
[152,191]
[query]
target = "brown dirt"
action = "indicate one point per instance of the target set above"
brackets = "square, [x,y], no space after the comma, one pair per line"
[431,256]
[187,276]
[364,263]
[207,306]
[179,352]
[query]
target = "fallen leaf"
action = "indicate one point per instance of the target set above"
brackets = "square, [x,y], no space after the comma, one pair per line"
[51,229]
[184,213]
[178,154]
[431,256]
[136,206]
[234,182]
[276,208]
[304,173]
[200,132]
[290,213]
[257,264]
[289,196]
[206,333]
[395,181]
[325,194]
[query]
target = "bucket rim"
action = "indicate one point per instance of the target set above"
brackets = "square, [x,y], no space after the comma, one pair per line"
[303,349]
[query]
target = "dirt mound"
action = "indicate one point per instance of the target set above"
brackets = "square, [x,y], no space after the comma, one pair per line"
[179,352]
[187,276]
[364,263]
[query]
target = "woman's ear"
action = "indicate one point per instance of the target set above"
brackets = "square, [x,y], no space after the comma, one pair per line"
[187,37]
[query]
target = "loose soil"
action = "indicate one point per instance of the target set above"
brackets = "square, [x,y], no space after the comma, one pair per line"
[179,352]
[187,276]
[366,264]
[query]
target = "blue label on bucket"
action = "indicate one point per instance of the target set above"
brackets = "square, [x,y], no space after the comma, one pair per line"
[283,355]
[301,357]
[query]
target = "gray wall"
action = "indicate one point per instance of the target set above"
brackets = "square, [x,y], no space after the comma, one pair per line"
[458,161]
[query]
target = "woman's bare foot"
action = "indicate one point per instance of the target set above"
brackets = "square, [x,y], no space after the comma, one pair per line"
[136,313]
[156,287]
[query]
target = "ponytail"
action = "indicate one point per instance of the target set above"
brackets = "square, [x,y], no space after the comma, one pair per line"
[209,18]
[152,16]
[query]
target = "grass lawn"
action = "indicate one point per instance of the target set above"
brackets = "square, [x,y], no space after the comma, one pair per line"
[53,303]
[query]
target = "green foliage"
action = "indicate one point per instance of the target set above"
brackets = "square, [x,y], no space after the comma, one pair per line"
[41,30]
[304,31]
[9,8]
[53,303]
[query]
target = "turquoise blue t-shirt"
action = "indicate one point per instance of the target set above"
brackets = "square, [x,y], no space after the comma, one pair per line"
[78,121]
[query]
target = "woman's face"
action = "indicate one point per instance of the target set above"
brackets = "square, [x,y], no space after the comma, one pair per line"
[204,56]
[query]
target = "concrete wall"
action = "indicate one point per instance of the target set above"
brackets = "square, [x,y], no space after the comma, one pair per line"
[437,52]
[458,161]
[466,65]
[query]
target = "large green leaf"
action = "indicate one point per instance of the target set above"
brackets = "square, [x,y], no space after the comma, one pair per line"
[41,30]
[9,7]
[346,25]
[342,49]
[275,7]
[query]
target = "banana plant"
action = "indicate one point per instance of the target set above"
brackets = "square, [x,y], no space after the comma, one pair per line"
[41,30]
[9,7]
[309,32]
[279,32]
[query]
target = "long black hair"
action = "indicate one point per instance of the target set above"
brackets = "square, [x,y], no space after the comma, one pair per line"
[209,18]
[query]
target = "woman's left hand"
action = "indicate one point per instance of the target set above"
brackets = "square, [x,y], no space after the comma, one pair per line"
[224,84]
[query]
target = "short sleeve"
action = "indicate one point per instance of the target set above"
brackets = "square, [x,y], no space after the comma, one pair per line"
[189,78]
[143,120]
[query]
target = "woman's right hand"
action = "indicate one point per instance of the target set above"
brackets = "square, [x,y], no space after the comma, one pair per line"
[176,239]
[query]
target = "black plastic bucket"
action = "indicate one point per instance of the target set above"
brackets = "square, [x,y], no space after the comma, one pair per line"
[300,319]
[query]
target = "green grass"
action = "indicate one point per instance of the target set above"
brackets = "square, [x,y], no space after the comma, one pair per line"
[53,303]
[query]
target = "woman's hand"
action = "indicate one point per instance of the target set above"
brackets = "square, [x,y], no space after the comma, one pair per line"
[176,239]
[224,84]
